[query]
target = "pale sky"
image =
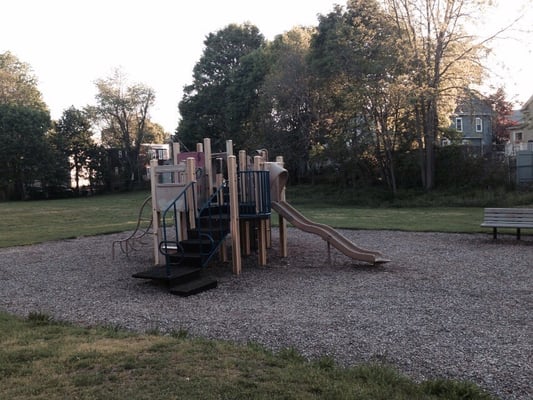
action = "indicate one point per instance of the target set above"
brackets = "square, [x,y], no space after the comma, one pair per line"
[71,43]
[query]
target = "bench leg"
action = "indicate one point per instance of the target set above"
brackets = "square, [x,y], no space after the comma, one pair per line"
[494,233]
[517,233]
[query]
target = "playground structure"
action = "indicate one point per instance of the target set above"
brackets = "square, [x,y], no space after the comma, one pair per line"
[208,204]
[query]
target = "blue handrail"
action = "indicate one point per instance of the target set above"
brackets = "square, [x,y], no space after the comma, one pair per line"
[213,222]
[171,245]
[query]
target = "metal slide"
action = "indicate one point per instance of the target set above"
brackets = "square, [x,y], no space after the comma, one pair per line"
[327,233]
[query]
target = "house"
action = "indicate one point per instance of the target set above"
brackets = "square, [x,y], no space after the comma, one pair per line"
[115,165]
[520,144]
[151,151]
[472,120]
[521,135]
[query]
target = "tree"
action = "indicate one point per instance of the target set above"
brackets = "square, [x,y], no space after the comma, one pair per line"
[443,60]
[72,139]
[155,133]
[501,122]
[18,84]
[359,73]
[24,151]
[286,105]
[123,111]
[223,95]
[24,121]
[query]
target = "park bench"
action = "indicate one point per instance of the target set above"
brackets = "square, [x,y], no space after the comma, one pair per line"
[508,218]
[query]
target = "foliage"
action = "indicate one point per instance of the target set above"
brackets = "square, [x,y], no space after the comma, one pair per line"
[366,95]
[123,112]
[484,172]
[287,116]
[43,358]
[24,120]
[359,71]
[155,133]
[18,84]
[24,154]
[443,59]
[501,122]
[220,102]
[73,143]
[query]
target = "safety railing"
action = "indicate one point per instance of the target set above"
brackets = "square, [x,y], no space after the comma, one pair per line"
[254,194]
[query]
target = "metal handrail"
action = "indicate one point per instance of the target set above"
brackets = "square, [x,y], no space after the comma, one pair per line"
[254,194]
[221,215]
[170,244]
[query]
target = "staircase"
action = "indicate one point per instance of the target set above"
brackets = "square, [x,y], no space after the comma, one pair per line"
[187,257]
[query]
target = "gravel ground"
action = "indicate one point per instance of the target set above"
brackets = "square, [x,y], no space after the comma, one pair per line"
[448,305]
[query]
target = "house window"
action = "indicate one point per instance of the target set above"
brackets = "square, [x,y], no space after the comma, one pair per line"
[459,124]
[479,125]
[518,137]
[160,154]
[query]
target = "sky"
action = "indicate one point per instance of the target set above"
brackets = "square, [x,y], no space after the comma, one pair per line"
[69,44]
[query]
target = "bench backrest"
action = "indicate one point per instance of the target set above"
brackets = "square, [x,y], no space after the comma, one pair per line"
[520,215]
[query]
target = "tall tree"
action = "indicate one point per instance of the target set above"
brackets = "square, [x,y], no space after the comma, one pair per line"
[18,84]
[122,110]
[443,60]
[503,109]
[224,90]
[287,100]
[356,64]
[72,139]
[155,133]
[24,151]
[24,121]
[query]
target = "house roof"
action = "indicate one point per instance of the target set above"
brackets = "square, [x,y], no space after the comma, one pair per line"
[473,104]
[516,116]
[527,103]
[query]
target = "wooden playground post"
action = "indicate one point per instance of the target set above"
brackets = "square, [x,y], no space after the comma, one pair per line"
[156,214]
[182,218]
[234,214]
[175,153]
[208,167]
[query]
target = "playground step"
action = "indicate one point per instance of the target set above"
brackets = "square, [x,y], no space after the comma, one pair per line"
[202,245]
[214,210]
[189,259]
[194,286]
[214,220]
[217,234]
[173,274]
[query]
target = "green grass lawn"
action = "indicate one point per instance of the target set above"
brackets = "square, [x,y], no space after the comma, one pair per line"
[452,219]
[23,223]
[27,222]
[43,359]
